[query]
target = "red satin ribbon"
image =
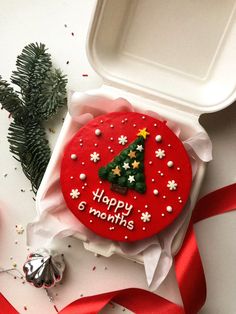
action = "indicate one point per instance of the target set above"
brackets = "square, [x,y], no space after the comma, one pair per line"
[188,267]
[6,307]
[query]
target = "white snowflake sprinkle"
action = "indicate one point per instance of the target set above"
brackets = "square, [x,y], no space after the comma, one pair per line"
[74,193]
[146,217]
[131,179]
[172,185]
[160,153]
[126,165]
[94,157]
[122,140]
[139,148]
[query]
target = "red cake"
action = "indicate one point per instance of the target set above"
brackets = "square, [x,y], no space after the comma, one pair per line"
[126,176]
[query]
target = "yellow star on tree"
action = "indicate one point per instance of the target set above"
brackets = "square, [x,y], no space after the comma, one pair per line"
[116,171]
[143,133]
[132,154]
[135,164]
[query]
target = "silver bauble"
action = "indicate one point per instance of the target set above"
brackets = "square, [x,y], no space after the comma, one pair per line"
[44,268]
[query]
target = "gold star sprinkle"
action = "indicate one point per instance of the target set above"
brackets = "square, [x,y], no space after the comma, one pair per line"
[135,164]
[132,154]
[116,171]
[143,133]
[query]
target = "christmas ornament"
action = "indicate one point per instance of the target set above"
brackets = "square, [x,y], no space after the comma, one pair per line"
[44,269]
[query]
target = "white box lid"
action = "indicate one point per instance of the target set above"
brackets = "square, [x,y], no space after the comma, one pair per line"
[183,51]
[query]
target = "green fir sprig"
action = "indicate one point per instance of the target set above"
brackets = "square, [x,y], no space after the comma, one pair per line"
[40,92]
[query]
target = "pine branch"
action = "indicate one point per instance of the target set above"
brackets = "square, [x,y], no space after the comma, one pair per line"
[10,100]
[33,66]
[29,146]
[42,92]
[53,95]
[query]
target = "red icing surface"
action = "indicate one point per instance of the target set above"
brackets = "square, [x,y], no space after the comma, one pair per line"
[127,124]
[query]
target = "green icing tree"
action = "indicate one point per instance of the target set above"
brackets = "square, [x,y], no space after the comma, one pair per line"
[127,169]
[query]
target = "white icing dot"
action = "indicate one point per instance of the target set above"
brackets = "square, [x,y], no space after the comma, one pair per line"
[170,163]
[111,150]
[72,177]
[98,132]
[178,168]
[164,196]
[90,221]
[123,121]
[86,184]
[180,201]
[111,228]
[82,162]
[135,197]
[155,124]
[112,139]
[81,144]
[100,182]
[126,119]
[101,121]
[162,174]
[179,197]
[134,125]
[109,147]
[82,176]
[158,138]
[139,210]
[162,215]
[146,206]
[150,162]
[82,187]
[169,209]
[81,140]
[96,144]
[153,180]
[126,237]
[159,171]
[155,192]
[144,228]
[111,126]
[169,145]
[143,117]
[73,156]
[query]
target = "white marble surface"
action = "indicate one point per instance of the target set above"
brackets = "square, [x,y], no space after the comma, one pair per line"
[25,21]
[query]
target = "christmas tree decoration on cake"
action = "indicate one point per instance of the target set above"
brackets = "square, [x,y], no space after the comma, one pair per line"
[126,171]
